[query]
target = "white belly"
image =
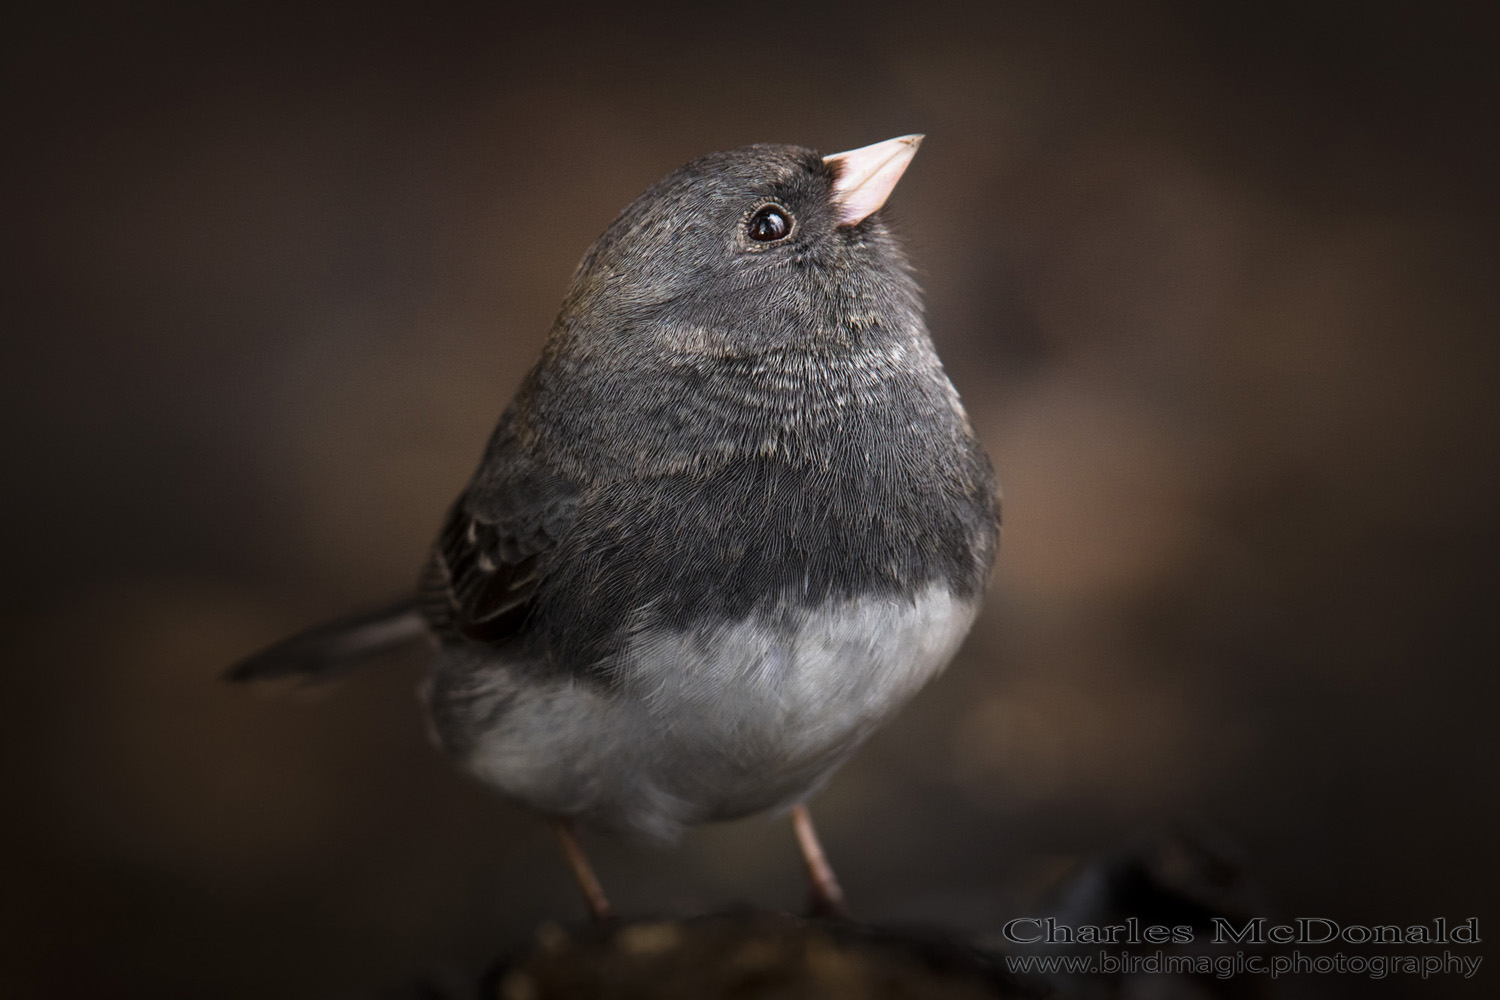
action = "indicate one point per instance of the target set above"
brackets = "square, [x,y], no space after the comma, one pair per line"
[709,725]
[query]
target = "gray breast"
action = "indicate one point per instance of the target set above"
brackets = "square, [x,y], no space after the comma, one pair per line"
[712,723]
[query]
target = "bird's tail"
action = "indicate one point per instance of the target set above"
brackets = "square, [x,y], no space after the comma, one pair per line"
[327,650]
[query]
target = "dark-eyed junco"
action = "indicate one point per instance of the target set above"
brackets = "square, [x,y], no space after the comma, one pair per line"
[733,519]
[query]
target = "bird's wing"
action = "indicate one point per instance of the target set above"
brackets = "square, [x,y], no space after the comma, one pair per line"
[493,551]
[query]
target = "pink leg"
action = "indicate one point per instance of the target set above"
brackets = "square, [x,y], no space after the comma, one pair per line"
[827,897]
[593,892]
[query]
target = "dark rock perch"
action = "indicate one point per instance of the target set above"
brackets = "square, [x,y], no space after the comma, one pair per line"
[1183,876]
[750,954]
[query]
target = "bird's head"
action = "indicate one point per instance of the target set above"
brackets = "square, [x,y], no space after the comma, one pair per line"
[763,248]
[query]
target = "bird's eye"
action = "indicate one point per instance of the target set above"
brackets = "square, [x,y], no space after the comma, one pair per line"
[769,224]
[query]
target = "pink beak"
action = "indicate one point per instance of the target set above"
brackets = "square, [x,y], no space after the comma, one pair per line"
[866,176]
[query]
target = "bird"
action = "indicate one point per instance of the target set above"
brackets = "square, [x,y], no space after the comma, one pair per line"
[732,520]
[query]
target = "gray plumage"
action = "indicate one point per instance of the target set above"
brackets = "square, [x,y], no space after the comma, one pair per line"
[733,518]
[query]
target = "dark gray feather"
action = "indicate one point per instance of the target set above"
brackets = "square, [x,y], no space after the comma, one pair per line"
[325,651]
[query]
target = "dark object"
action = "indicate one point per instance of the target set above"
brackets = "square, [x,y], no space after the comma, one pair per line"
[734,518]
[752,954]
[1184,876]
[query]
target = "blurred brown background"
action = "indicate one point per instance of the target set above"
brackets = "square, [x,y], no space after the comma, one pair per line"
[1216,281]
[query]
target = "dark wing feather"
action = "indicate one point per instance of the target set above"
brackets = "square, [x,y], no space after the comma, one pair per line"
[495,544]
